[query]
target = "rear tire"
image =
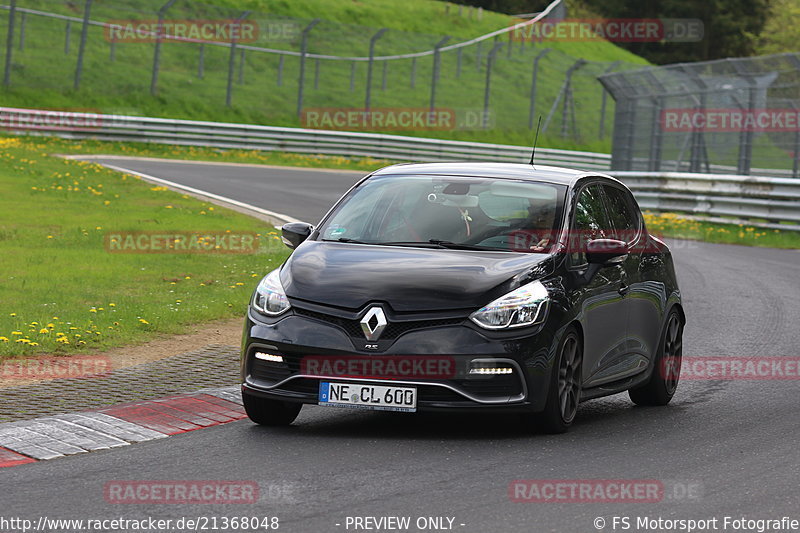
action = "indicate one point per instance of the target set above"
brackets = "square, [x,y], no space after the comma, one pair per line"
[270,412]
[565,386]
[663,382]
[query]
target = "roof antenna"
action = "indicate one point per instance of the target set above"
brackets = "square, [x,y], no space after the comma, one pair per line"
[535,140]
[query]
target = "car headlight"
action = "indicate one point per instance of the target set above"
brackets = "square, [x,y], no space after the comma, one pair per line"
[525,306]
[269,297]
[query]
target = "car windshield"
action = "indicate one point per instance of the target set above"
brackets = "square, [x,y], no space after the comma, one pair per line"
[449,212]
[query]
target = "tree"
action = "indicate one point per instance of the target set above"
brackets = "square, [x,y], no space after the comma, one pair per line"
[731,27]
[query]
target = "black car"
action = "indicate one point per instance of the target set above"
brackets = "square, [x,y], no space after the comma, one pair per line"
[467,286]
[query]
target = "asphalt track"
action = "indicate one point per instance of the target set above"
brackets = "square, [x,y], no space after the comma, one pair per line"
[732,445]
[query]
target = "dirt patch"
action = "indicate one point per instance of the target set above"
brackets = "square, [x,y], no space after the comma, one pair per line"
[226,332]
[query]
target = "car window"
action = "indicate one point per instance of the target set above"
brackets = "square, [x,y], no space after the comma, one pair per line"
[590,221]
[504,214]
[621,211]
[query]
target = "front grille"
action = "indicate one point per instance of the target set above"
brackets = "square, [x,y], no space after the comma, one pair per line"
[393,329]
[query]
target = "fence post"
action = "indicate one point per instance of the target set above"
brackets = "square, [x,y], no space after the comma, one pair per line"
[413,72]
[534,81]
[372,41]
[352,76]
[157,51]
[796,158]
[241,65]
[82,48]
[232,57]
[23,17]
[385,75]
[435,74]
[603,100]
[488,87]
[566,93]
[67,36]
[303,51]
[316,74]
[280,70]
[656,135]
[459,53]
[12,12]
[201,61]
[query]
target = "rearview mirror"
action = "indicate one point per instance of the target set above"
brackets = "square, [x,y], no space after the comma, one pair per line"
[294,233]
[606,251]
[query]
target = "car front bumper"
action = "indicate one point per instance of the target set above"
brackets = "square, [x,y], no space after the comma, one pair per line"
[435,357]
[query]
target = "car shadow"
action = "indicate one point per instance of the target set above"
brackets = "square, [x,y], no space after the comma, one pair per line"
[606,415]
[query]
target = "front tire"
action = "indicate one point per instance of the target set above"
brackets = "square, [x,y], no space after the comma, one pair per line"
[663,382]
[270,412]
[565,386]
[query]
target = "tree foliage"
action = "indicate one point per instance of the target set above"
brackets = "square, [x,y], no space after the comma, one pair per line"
[732,28]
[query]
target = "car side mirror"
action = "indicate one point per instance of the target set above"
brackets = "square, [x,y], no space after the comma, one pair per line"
[606,252]
[294,233]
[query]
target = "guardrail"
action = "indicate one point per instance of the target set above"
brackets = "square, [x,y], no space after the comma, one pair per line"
[768,202]
[306,141]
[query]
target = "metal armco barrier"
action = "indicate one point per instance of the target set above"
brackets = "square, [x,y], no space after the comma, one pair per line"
[772,202]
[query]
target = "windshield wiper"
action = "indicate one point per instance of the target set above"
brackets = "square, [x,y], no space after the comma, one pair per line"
[436,243]
[432,243]
[464,246]
[351,241]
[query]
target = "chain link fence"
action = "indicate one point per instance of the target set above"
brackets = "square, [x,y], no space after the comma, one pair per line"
[730,116]
[272,70]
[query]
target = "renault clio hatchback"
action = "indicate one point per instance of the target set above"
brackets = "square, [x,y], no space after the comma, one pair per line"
[467,286]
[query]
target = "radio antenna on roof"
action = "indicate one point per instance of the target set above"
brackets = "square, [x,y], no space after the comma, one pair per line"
[535,140]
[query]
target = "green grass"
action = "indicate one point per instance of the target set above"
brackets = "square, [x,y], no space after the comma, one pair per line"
[679,227]
[57,145]
[59,278]
[43,74]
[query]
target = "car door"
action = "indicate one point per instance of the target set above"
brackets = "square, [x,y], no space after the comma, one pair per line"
[602,308]
[646,295]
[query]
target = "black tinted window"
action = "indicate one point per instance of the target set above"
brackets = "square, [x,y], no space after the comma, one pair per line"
[624,220]
[590,222]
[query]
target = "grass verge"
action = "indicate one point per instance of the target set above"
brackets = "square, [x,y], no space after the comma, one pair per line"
[676,226]
[193,153]
[64,292]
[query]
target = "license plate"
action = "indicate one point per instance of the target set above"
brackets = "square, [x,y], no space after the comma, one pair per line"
[366,396]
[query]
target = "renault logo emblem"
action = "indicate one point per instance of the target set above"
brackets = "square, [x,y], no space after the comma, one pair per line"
[373,323]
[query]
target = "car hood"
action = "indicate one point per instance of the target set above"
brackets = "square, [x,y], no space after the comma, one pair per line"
[408,279]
